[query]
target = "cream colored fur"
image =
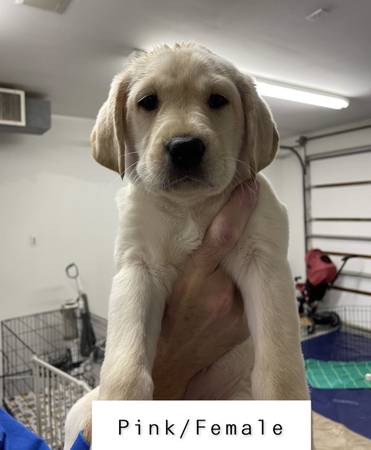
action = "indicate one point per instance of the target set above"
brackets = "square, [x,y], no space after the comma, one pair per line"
[162,221]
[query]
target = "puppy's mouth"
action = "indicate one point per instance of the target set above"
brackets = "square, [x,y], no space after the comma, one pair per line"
[186,181]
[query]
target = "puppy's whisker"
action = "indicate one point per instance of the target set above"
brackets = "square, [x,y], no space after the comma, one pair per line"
[129,167]
[131,153]
[249,166]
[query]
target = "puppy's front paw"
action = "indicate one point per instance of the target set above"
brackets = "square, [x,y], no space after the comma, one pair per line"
[137,385]
[87,432]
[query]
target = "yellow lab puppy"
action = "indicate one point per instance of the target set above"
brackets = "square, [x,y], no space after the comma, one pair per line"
[186,127]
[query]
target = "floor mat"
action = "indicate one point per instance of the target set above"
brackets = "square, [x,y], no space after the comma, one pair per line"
[338,374]
[53,407]
[339,346]
[350,407]
[330,435]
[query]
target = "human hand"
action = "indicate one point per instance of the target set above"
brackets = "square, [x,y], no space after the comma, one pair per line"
[205,317]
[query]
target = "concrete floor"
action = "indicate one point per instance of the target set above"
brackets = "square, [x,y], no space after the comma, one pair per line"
[329,435]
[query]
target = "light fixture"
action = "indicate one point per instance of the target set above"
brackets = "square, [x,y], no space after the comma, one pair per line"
[300,95]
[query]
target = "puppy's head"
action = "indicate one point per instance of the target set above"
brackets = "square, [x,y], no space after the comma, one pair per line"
[181,120]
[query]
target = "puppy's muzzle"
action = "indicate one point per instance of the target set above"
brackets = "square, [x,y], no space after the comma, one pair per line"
[185,152]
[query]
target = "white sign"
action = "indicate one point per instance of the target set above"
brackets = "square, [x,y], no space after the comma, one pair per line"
[256,425]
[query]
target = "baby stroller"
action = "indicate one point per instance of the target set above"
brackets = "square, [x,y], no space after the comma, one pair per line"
[321,276]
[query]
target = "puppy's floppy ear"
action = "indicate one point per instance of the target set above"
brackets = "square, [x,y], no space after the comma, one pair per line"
[260,142]
[108,135]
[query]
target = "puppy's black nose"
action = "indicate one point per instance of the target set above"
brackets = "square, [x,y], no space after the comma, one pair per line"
[186,152]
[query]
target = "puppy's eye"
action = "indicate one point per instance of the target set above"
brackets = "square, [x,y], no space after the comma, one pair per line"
[217,101]
[149,103]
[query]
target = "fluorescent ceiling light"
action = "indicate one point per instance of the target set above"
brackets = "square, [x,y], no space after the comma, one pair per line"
[294,94]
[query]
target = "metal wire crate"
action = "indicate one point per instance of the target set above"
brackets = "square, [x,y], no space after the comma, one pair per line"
[354,340]
[55,392]
[356,328]
[33,347]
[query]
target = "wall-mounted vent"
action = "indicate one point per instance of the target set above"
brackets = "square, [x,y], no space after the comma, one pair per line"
[12,107]
[57,6]
[23,113]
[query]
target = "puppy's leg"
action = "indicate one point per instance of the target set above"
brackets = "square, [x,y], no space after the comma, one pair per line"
[134,324]
[269,299]
[76,417]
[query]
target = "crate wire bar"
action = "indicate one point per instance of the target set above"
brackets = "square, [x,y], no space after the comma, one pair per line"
[55,393]
[36,392]
[355,328]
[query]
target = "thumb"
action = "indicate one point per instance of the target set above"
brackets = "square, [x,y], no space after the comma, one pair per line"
[226,228]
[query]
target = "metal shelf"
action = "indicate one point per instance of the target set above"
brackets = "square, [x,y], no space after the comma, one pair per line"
[350,273]
[339,153]
[342,184]
[336,253]
[340,219]
[352,291]
[340,237]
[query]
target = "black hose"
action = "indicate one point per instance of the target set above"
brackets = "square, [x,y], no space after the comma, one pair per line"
[88,339]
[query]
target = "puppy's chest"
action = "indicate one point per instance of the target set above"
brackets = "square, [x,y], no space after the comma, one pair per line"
[158,236]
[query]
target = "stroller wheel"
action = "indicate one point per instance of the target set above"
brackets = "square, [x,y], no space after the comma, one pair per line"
[334,319]
[301,302]
[311,328]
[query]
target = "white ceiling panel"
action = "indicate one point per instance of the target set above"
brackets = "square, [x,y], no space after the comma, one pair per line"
[72,57]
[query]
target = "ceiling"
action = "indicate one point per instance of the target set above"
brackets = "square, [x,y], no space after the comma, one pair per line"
[72,57]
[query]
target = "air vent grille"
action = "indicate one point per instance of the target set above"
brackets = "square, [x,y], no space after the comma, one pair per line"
[57,6]
[12,107]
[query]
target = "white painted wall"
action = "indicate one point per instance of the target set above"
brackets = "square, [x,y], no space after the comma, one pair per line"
[51,189]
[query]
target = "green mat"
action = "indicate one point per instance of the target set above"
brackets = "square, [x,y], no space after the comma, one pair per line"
[337,374]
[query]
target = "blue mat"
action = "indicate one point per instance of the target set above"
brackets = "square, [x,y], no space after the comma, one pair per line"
[351,407]
[338,346]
